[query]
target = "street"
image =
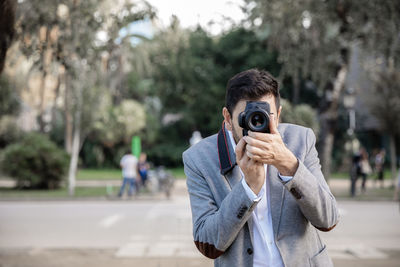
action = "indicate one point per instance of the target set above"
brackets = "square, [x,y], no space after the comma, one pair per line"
[158,233]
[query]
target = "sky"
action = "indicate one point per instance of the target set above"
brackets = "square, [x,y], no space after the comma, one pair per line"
[224,13]
[191,13]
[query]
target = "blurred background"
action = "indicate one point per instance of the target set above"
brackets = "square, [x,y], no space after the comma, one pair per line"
[83,82]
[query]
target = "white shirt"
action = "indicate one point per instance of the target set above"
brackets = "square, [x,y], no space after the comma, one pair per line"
[129,166]
[266,253]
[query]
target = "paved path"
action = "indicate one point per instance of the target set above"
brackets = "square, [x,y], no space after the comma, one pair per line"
[158,233]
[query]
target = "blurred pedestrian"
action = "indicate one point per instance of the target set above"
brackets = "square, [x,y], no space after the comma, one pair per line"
[143,167]
[397,189]
[359,168]
[365,168]
[129,165]
[379,166]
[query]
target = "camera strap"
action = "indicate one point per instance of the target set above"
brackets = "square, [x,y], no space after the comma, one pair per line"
[225,162]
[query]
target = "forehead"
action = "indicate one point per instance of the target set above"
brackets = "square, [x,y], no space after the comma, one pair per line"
[241,105]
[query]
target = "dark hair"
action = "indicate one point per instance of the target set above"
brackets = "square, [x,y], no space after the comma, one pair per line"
[251,85]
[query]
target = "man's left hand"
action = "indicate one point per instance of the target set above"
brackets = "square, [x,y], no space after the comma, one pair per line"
[269,148]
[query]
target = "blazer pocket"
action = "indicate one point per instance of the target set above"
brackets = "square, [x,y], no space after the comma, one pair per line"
[321,259]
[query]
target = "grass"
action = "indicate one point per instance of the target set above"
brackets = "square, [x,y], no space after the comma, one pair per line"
[178,172]
[372,194]
[115,174]
[57,193]
[99,174]
[346,175]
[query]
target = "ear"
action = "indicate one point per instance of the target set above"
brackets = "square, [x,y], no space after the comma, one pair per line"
[227,118]
[278,116]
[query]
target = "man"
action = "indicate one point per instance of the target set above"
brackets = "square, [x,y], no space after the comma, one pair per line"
[129,165]
[380,165]
[259,200]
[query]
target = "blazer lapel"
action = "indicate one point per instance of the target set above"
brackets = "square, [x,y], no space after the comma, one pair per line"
[276,195]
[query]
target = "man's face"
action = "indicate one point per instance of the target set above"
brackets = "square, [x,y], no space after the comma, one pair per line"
[232,123]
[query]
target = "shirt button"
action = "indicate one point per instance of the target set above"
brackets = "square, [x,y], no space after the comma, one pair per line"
[249,251]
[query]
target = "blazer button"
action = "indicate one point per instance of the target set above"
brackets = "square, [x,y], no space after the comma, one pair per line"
[249,251]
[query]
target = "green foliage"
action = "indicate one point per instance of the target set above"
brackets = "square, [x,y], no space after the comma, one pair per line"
[35,162]
[188,75]
[8,98]
[9,130]
[118,123]
[301,114]
[385,105]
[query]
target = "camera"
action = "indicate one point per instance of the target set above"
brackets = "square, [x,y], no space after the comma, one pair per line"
[255,117]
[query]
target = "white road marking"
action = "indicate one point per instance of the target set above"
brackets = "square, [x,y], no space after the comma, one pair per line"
[109,221]
[164,246]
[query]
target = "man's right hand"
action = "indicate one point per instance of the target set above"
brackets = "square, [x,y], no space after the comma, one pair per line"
[254,172]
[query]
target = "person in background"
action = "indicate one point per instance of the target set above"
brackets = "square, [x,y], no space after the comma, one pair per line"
[365,168]
[379,166]
[397,189]
[355,172]
[361,168]
[143,167]
[129,165]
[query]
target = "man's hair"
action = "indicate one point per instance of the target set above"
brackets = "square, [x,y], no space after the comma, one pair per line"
[251,85]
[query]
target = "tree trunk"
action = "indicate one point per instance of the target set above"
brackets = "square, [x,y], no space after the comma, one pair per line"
[73,165]
[393,158]
[296,88]
[328,123]
[44,61]
[42,101]
[67,115]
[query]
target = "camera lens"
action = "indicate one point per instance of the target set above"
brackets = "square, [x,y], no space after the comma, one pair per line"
[257,122]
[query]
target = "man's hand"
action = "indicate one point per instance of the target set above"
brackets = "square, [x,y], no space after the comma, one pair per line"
[253,171]
[270,149]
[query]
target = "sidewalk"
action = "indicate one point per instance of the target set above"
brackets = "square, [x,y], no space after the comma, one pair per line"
[339,187]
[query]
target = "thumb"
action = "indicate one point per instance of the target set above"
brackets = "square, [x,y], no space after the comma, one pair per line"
[272,124]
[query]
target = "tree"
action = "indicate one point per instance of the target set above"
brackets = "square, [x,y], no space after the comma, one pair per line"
[187,72]
[301,114]
[67,34]
[7,17]
[385,106]
[314,39]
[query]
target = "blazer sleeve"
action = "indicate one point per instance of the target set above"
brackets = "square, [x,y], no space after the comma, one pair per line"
[311,191]
[215,228]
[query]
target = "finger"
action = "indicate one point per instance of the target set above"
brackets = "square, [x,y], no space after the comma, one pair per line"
[258,143]
[240,147]
[272,124]
[260,136]
[255,150]
[248,154]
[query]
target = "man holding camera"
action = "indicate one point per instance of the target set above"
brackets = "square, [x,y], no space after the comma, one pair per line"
[257,193]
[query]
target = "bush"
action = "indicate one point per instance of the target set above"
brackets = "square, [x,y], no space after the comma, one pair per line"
[9,131]
[35,162]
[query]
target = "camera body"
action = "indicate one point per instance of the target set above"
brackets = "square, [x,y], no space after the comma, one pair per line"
[255,117]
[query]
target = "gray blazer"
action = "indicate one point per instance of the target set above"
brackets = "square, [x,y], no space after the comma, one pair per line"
[221,209]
